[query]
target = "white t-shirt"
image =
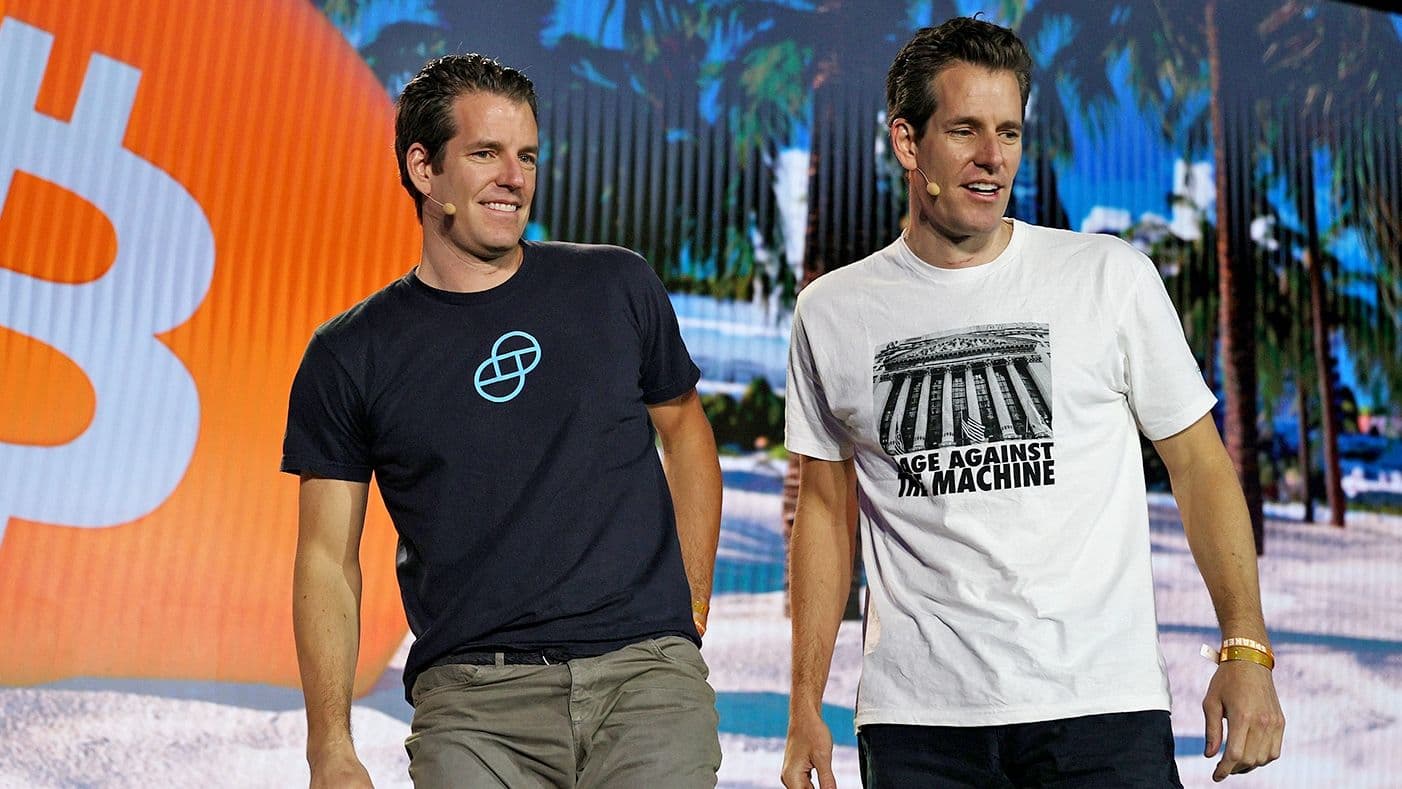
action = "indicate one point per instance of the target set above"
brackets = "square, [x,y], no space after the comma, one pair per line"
[1006,543]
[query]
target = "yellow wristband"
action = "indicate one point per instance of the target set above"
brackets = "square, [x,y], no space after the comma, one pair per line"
[699,610]
[1247,642]
[1247,653]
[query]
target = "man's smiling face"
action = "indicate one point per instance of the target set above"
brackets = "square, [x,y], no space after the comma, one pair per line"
[971,147]
[490,170]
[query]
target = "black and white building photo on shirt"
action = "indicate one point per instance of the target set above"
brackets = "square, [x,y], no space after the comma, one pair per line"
[975,385]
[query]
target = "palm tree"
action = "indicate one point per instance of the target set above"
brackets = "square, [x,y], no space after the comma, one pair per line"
[1366,174]
[1175,61]
[1237,275]
[1363,145]
[431,28]
[1071,51]
[1290,81]
[1324,61]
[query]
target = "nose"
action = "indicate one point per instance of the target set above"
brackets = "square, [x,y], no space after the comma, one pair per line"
[990,154]
[512,174]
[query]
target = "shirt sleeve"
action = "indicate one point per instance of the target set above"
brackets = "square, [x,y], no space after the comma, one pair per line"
[809,425]
[1163,383]
[666,370]
[325,420]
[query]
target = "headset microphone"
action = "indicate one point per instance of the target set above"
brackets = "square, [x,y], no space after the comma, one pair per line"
[931,188]
[448,208]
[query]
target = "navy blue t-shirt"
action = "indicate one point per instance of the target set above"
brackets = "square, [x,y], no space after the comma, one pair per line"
[509,435]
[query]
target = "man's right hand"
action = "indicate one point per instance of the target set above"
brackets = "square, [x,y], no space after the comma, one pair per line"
[341,770]
[808,748]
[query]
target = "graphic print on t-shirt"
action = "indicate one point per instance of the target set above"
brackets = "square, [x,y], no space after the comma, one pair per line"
[967,410]
[503,375]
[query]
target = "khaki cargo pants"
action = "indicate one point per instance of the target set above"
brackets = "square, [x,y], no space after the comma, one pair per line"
[640,716]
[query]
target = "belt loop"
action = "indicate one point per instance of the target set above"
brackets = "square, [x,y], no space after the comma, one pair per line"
[500,659]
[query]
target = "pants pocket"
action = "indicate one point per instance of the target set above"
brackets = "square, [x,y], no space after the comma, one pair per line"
[681,652]
[440,678]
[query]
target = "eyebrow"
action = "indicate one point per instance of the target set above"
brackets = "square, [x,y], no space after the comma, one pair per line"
[969,120]
[477,145]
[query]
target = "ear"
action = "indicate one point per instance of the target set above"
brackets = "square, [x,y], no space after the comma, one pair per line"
[903,143]
[416,161]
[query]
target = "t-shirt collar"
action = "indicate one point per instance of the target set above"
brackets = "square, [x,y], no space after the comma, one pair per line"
[517,280]
[907,258]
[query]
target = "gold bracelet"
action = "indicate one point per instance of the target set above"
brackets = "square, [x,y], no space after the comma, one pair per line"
[1247,653]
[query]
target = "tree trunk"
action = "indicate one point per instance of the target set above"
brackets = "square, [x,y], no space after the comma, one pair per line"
[1303,430]
[1323,353]
[1236,278]
[1303,326]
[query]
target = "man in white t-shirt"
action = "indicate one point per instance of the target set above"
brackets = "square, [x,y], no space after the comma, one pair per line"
[977,388]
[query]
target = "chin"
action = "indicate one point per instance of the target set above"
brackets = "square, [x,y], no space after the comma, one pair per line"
[504,243]
[983,225]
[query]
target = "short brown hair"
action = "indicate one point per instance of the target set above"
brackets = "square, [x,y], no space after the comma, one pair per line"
[910,81]
[424,111]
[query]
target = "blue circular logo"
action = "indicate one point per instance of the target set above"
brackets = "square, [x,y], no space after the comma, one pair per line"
[503,375]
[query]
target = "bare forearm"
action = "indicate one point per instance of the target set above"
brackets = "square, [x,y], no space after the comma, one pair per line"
[821,576]
[1219,535]
[694,478]
[326,623]
[822,549]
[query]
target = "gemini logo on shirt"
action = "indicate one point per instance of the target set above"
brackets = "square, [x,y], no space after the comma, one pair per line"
[503,375]
[967,410]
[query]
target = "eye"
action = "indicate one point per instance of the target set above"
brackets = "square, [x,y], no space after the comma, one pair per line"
[528,161]
[961,133]
[1011,135]
[482,155]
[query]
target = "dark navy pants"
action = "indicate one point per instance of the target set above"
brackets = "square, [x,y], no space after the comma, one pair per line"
[1124,749]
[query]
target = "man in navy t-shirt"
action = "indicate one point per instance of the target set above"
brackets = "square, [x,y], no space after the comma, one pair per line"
[555,571]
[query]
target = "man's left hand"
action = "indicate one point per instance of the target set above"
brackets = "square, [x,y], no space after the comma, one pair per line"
[1243,693]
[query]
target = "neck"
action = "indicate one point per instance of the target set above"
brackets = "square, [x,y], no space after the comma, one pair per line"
[954,252]
[445,266]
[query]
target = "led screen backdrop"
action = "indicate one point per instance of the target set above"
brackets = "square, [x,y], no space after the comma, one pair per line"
[189,189]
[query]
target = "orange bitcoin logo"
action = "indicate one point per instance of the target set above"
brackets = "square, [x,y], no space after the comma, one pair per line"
[187,192]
